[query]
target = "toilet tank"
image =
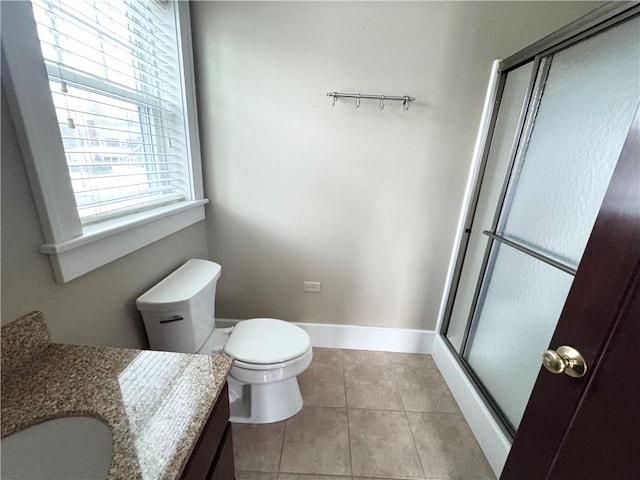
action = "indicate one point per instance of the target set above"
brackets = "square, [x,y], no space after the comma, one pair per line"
[179,312]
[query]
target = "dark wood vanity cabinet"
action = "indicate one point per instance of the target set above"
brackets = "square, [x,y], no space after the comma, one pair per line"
[212,457]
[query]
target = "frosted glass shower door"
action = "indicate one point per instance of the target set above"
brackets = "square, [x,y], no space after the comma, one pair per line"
[585,103]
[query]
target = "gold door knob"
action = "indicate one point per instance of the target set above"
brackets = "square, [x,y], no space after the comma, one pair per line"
[565,360]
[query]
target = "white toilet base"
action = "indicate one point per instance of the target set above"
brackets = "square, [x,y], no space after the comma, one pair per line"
[264,403]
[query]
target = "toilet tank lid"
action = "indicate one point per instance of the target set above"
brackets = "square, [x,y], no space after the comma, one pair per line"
[180,288]
[267,340]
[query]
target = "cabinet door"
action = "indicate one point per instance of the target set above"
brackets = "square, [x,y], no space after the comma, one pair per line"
[212,438]
[223,469]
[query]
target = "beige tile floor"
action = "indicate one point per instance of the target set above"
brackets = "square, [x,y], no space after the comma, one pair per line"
[366,415]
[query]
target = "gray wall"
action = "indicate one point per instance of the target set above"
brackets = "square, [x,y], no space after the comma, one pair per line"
[97,308]
[365,201]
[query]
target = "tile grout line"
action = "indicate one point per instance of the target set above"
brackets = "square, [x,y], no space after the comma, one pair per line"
[413,437]
[415,446]
[284,432]
[346,404]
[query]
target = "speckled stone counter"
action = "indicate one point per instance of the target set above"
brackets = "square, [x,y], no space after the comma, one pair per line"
[156,403]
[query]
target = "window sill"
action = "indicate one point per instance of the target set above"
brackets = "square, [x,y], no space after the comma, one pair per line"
[102,243]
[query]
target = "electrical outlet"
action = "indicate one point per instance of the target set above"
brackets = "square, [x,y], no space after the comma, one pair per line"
[313,287]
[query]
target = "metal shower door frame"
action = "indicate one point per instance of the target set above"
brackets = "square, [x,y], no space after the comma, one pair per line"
[541,53]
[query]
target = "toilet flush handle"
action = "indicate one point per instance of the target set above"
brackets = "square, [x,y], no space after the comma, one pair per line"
[172,319]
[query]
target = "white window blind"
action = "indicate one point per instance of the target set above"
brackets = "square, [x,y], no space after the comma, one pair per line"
[116,86]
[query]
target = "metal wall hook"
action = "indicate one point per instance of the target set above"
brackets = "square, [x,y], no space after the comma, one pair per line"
[407,103]
[333,100]
[358,101]
[381,102]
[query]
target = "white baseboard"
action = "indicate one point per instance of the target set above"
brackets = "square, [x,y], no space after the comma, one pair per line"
[494,442]
[357,337]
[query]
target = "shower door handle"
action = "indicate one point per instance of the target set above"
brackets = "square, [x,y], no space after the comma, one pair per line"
[565,360]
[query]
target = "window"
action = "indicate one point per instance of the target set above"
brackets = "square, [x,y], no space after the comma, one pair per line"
[104,91]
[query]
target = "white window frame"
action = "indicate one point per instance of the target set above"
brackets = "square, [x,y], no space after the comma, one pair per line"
[75,250]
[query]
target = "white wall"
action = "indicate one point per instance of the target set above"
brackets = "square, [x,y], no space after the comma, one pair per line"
[97,308]
[364,201]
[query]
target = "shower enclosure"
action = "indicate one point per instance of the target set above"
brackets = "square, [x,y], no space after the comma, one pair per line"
[563,109]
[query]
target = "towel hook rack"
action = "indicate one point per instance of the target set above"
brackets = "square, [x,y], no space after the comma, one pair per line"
[405,99]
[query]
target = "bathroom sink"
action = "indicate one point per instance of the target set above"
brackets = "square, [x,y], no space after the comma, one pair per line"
[63,448]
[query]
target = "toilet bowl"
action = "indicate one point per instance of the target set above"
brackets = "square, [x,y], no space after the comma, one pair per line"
[269,354]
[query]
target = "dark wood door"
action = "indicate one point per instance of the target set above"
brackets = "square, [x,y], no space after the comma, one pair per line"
[589,427]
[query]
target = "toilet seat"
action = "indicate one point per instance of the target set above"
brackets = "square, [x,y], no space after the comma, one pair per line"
[302,359]
[266,342]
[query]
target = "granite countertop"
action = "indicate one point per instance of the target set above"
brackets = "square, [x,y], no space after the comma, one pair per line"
[156,403]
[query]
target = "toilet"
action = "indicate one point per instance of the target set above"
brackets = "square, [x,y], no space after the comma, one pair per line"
[269,354]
